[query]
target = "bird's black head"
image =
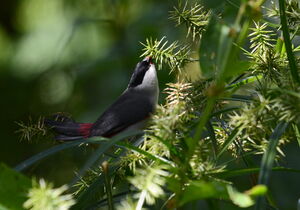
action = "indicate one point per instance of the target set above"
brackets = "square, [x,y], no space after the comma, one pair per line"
[139,72]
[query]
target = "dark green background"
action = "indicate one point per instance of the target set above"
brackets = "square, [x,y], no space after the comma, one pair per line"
[69,56]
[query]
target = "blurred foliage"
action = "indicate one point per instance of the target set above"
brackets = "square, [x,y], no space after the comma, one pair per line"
[13,188]
[230,109]
[62,56]
[42,196]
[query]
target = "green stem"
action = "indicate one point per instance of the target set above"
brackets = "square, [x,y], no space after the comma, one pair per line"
[108,186]
[287,41]
[204,118]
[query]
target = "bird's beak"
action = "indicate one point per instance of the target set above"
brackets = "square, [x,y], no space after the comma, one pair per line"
[148,59]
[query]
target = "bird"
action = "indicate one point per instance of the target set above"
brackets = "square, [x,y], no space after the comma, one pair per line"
[130,111]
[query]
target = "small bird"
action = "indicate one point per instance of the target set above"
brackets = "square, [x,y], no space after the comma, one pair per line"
[129,112]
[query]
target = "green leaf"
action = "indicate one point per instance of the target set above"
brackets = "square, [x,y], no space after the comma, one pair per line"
[297,133]
[224,54]
[208,48]
[245,199]
[106,145]
[241,98]
[290,92]
[247,171]
[244,81]
[279,46]
[229,140]
[25,164]
[269,155]
[268,159]
[240,199]
[287,41]
[197,190]
[216,54]
[236,67]
[257,190]
[228,109]
[145,153]
[3,207]
[13,188]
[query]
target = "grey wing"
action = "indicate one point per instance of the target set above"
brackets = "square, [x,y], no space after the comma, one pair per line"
[130,108]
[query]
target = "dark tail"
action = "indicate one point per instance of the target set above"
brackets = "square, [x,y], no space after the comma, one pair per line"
[67,129]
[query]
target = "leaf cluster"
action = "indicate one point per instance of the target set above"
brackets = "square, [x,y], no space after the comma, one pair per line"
[194,18]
